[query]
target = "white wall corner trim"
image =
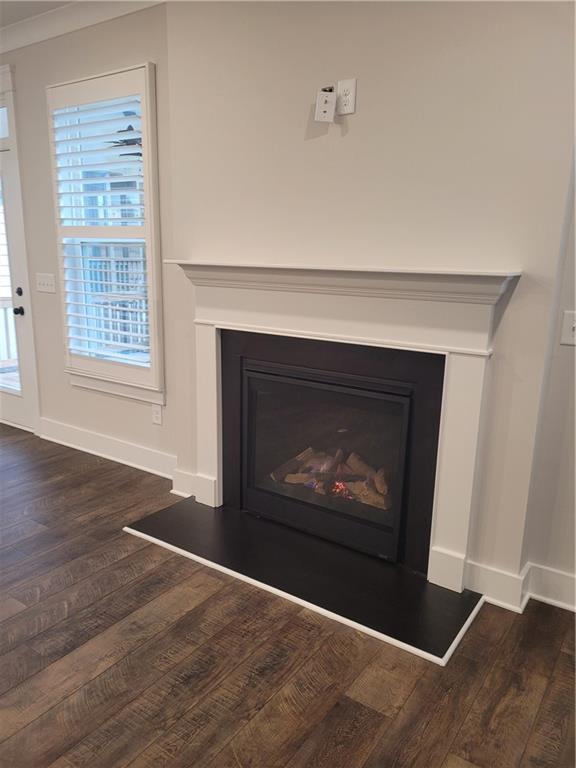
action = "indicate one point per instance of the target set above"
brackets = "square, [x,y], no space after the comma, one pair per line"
[67,18]
[138,456]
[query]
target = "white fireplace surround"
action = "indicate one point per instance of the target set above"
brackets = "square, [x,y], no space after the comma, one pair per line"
[449,313]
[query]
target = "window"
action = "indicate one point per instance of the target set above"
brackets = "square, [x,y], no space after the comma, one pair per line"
[103,144]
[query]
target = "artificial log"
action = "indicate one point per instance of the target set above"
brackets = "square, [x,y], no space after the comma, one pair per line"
[380,482]
[318,461]
[293,465]
[359,466]
[363,492]
[299,478]
[349,477]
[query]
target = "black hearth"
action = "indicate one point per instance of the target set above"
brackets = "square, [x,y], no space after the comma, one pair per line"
[303,422]
[336,440]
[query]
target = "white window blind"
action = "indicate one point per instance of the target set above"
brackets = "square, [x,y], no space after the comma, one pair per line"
[99,164]
[104,162]
[106,299]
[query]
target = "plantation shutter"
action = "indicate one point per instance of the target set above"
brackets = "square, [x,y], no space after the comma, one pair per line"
[104,162]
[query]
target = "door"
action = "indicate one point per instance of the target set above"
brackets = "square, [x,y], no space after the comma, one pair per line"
[18,387]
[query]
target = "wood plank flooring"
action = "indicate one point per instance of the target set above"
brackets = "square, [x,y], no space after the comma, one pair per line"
[115,652]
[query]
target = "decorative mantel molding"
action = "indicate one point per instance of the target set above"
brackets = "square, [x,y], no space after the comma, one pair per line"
[467,287]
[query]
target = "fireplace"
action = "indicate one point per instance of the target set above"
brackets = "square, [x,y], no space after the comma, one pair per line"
[430,328]
[307,380]
[333,439]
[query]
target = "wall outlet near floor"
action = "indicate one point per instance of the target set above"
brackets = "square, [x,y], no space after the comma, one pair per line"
[45,282]
[568,334]
[157,414]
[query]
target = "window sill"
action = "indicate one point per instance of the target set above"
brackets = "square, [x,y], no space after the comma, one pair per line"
[117,389]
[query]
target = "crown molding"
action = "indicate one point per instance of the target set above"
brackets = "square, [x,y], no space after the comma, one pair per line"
[476,287]
[67,18]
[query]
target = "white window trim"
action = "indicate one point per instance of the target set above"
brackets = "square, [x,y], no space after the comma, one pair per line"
[117,388]
[109,377]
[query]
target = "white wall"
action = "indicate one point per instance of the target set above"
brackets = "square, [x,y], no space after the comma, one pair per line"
[459,156]
[550,532]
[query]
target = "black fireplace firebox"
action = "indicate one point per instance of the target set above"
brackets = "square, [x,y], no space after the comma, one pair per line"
[325,453]
[337,440]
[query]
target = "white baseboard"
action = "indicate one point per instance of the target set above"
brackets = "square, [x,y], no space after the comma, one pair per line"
[138,456]
[500,587]
[550,585]
[508,606]
[513,590]
[446,568]
[17,426]
[203,488]
[183,483]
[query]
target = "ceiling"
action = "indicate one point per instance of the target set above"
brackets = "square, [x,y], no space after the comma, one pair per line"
[12,11]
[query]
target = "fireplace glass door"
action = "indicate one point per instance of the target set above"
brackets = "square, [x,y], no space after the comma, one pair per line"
[325,453]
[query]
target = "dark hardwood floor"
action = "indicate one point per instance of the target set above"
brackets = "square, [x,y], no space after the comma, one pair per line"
[115,652]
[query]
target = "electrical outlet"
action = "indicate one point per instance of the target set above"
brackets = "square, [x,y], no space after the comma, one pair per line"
[325,106]
[346,96]
[157,414]
[568,335]
[45,282]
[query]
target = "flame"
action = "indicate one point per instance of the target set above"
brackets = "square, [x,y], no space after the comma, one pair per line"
[340,489]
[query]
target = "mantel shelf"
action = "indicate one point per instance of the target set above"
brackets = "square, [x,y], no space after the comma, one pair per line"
[468,287]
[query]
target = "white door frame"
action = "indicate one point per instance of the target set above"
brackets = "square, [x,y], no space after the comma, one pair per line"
[20,409]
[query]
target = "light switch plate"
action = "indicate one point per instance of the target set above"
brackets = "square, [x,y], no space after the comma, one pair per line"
[45,282]
[568,335]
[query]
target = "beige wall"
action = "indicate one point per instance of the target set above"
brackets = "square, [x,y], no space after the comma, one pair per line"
[550,531]
[458,157]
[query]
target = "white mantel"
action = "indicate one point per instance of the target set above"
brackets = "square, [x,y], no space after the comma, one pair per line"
[474,287]
[442,312]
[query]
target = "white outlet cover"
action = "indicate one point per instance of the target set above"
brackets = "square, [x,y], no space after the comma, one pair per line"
[325,107]
[346,96]
[157,414]
[568,334]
